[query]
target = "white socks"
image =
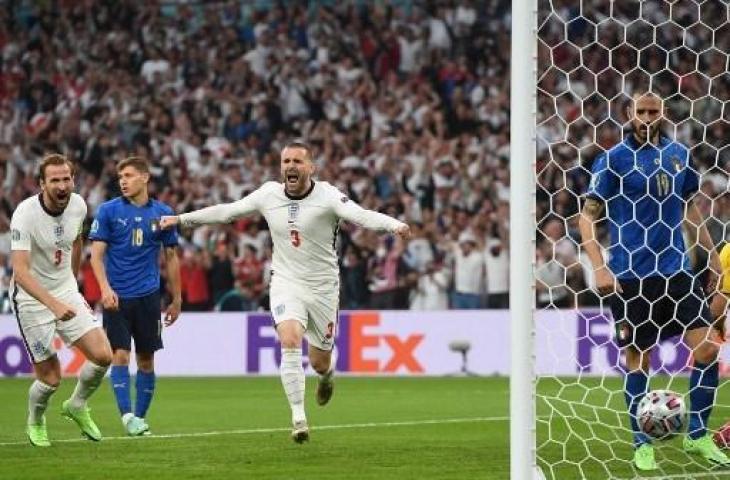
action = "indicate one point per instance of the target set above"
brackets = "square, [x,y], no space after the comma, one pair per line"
[90,378]
[292,378]
[38,396]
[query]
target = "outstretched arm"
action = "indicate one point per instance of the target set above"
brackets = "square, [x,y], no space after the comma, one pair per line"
[352,212]
[221,213]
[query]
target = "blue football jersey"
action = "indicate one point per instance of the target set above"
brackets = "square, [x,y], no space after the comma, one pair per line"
[645,188]
[134,238]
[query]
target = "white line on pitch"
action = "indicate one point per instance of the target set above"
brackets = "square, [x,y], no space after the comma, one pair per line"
[281,429]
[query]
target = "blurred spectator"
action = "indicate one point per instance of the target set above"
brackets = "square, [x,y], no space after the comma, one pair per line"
[468,273]
[406,104]
[90,288]
[248,271]
[391,278]
[194,281]
[220,273]
[386,94]
[353,278]
[496,260]
[432,290]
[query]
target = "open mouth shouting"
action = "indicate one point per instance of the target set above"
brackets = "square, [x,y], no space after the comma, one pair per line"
[62,197]
[292,178]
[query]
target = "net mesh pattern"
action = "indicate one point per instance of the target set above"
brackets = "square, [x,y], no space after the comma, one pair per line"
[593,55]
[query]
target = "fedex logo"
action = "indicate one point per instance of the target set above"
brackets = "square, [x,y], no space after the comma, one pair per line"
[597,350]
[362,344]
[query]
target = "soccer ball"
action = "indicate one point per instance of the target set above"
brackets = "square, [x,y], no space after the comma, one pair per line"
[661,414]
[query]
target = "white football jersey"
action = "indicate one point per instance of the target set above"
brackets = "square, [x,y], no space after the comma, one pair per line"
[303,229]
[49,238]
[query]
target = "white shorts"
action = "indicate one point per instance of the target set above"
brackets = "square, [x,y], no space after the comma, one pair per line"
[315,310]
[39,327]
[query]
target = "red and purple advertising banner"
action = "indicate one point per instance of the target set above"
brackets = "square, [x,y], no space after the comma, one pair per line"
[376,343]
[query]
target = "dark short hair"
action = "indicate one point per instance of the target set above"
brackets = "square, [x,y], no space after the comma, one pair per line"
[54,159]
[139,163]
[300,145]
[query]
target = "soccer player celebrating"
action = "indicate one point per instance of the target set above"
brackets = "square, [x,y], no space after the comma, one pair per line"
[46,246]
[127,238]
[647,185]
[303,217]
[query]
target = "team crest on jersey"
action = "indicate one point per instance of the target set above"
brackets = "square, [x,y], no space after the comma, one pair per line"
[38,348]
[293,211]
[676,163]
[58,230]
[15,235]
[155,225]
[137,219]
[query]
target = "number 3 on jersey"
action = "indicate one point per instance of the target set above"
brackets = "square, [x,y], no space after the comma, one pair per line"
[137,237]
[295,240]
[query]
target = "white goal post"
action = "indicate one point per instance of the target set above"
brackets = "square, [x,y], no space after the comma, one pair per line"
[523,103]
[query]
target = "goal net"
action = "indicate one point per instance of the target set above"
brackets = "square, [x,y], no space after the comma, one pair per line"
[593,55]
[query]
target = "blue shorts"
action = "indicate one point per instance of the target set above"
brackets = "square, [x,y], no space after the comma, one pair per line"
[138,318]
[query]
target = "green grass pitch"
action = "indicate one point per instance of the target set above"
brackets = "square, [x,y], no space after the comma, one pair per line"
[375,428]
[226,428]
[583,431]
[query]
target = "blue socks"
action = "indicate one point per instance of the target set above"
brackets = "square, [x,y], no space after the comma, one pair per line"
[145,384]
[635,387]
[145,390]
[702,385]
[119,376]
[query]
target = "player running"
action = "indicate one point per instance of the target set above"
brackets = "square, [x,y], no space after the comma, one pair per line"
[46,246]
[647,184]
[303,217]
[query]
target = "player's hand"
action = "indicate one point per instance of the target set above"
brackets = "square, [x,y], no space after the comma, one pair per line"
[606,283]
[109,299]
[169,221]
[62,311]
[172,312]
[403,230]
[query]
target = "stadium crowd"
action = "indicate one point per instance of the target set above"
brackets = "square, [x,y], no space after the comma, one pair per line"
[406,105]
